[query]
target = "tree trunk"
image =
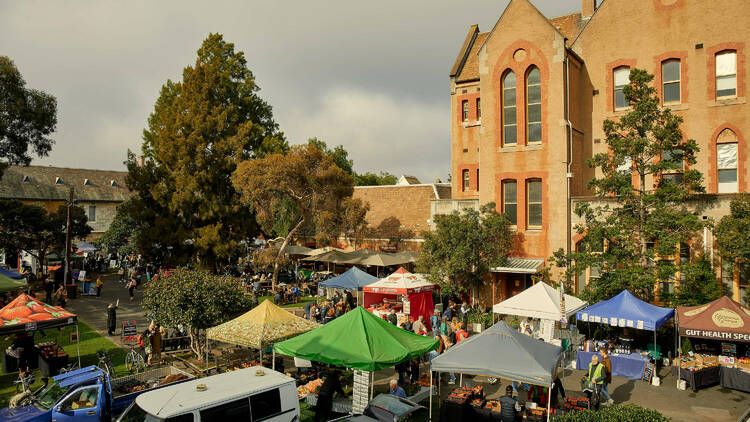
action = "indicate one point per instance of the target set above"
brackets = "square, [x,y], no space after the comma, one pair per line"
[281,252]
[195,343]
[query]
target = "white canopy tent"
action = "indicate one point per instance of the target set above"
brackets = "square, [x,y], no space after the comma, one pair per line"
[540,301]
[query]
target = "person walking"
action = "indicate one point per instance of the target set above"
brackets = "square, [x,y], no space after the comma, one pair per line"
[594,379]
[99,285]
[607,362]
[112,317]
[61,295]
[131,288]
[49,288]
[435,323]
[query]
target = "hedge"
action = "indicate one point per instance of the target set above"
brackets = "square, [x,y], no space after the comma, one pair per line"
[615,413]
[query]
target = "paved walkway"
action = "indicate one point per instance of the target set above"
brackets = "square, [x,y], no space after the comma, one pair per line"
[93,310]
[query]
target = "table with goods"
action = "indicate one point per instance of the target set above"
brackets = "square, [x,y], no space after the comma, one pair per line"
[627,361]
[52,358]
[382,309]
[709,365]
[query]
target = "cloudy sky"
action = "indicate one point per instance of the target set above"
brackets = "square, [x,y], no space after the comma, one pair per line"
[372,76]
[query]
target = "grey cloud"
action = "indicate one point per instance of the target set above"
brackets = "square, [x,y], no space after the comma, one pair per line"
[105,62]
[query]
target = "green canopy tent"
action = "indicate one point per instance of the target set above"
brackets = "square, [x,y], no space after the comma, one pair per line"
[359,340]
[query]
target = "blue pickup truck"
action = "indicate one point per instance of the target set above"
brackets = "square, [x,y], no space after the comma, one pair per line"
[89,395]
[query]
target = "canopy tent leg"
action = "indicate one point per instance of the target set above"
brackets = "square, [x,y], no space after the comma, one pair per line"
[430,395]
[78,344]
[549,401]
[372,384]
[461,380]
[656,364]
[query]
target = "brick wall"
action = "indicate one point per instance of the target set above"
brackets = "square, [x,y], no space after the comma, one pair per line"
[397,211]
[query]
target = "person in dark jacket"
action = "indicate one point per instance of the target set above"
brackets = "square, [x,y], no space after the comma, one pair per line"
[557,390]
[508,406]
[392,318]
[331,386]
[112,317]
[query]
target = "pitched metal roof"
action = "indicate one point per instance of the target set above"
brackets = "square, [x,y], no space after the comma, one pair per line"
[53,184]
[520,265]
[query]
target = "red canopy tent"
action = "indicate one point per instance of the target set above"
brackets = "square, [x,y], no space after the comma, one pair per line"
[403,283]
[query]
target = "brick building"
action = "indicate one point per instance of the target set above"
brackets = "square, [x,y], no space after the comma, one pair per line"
[98,192]
[528,99]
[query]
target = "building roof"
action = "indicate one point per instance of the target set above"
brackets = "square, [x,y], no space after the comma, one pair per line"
[520,265]
[568,25]
[53,184]
[466,66]
[407,180]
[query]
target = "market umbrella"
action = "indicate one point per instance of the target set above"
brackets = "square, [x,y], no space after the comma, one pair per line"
[11,281]
[296,250]
[360,340]
[333,256]
[265,324]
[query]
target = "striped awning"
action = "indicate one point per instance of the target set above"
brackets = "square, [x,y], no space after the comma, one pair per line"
[520,265]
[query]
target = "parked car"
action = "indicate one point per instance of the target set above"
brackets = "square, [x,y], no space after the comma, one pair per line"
[250,394]
[87,394]
[384,408]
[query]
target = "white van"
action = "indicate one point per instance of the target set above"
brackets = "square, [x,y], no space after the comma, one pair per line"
[251,394]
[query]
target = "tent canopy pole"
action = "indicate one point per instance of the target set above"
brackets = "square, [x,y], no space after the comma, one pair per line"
[549,401]
[430,395]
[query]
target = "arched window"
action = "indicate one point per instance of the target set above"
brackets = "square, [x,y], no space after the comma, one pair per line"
[509,109]
[726,161]
[533,106]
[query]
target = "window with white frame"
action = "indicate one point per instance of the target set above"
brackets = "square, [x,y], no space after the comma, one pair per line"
[92,213]
[726,74]
[465,108]
[670,76]
[465,175]
[510,134]
[621,77]
[675,159]
[534,204]
[726,167]
[533,106]
[510,201]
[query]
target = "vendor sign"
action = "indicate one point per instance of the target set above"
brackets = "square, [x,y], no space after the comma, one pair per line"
[722,319]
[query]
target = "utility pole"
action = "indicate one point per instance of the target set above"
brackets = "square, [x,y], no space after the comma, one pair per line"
[67,239]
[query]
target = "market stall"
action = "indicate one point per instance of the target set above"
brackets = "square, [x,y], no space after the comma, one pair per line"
[409,294]
[725,357]
[23,317]
[524,359]
[543,302]
[357,340]
[626,311]
[262,326]
[11,281]
[352,279]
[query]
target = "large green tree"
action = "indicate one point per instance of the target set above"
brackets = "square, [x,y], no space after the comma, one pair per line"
[642,188]
[464,246]
[122,232]
[27,118]
[201,128]
[733,234]
[305,178]
[196,300]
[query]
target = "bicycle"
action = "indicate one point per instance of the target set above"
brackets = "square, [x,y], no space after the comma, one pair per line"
[69,368]
[105,363]
[134,361]
[25,380]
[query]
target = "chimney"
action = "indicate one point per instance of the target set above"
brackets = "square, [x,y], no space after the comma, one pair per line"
[587,8]
[140,161]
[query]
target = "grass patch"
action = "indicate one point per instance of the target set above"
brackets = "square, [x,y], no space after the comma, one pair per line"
[91,341]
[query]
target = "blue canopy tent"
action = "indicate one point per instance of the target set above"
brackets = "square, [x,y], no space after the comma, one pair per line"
[626,310]
[352,279]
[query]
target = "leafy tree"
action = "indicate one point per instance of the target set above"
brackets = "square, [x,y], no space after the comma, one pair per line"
[200,130]
[732,233]
[32,229]
[697,286]
[195,299]
[122,232]
[459,253]
[641,212]
[307,177]
[372,179]
[27,118]
[353,222]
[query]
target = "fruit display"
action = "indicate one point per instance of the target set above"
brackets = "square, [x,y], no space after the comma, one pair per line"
[424,381]
[478,403]
[311,387]
[576,403]
[493,405]
[460,395]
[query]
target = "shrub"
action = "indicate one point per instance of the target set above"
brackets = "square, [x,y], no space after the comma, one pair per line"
[615,413]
